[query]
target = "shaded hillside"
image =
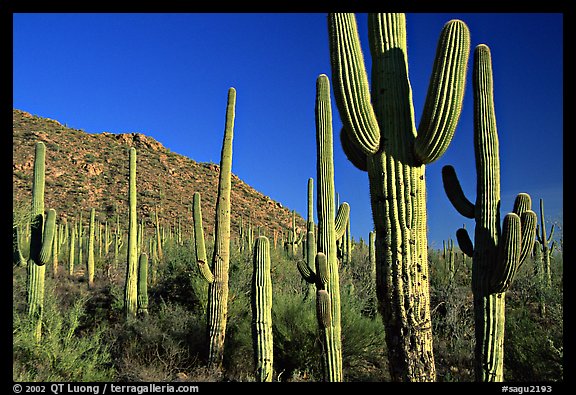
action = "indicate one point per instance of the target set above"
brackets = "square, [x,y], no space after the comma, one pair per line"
[91,170]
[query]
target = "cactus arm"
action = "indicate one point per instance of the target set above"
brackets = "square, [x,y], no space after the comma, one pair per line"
[354,154]
[341,220]
[455,193]
[201,259]
[464,242]
[528,221]
[508,254]
[445,95]
[306,271]
[323,309]
[48,238]
[551,233]
[351,89]
[321,270]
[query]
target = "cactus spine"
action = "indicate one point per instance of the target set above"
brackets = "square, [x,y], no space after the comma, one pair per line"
[262,310]
[218,289]
[90,262]
[143,284]
[41,242]
[380,136]
[497,253]
[131,284]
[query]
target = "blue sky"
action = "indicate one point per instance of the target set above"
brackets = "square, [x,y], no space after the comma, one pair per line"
[167,76]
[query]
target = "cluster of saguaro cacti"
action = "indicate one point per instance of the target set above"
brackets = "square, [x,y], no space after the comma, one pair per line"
[497,252]
[379,136]
[131,284]
[324,271]
[261,302]
[42,229]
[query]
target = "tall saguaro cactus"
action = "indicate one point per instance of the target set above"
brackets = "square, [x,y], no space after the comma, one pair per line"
[379,136]
[131,284]
[328,290]
[497,252]
[42,229]
[262,310]
[218,289]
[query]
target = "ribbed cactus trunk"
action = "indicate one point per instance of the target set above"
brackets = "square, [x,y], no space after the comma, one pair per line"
[326,243]
[17,257]
[90,261]
[131,284]
[72,250]
[546,246]
[41,242]
[143,284]
[261,301]
[497,253]
[379,136]
[218,289]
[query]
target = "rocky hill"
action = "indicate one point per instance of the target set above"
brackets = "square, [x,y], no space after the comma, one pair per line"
[85,170]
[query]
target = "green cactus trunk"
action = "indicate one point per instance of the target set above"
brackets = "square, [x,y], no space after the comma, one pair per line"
[131,284]
[72,250]
[326,243]
[546,245]
[218,289]
[90,261]
[143,284]
[261,299]
[379,136]
[42,230]
[497,253]
[17,257]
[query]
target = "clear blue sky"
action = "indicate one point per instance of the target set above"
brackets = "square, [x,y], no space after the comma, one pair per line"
[167,76]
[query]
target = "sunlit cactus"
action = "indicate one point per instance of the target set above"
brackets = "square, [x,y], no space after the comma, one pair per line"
[379,136]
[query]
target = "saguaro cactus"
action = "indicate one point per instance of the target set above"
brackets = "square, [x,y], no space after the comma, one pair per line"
[379,136]
[201,259]
[326,243]
[546,245]
[41,242]
[72,250]
[90,261]
[131,284]
[143,284]
[497,253]
[262,310]
[17,257]
[218,289]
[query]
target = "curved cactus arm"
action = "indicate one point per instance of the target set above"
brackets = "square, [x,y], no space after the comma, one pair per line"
[341,220]
[354,154]
[551,233]
[455,193]
[464,242]
[48,237]
[306,272]
[522,203]
[508,254]
[351,88]
[323,308]
[321,270]
[445,95]
[528,221]
[201,258]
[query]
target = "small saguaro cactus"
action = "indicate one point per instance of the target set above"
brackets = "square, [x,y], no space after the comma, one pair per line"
[17,257]
[143,284]
[42,229]
[218,289]
[90,261]
[545,244]
[379,136]
[131,284]
[497,252]
[261,302]
[72,250]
